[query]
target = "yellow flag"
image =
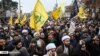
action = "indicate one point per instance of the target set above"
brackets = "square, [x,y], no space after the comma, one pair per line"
[23,20]
[17,20]
[81,13]
[10,21]
[32,22]
[57,13]
[39,15]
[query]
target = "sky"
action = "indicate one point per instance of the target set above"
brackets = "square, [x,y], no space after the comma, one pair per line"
[28,5]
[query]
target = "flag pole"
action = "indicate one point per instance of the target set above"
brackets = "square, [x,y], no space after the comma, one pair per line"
[56,4]
[19,10]
[19,7]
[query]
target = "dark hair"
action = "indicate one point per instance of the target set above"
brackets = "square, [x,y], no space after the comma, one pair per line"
[17,41]
[2,36]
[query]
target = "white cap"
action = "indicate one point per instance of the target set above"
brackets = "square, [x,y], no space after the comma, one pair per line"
[48,27]
[24,31]
[65,37]
[5,28]
[50,46]
[36,33]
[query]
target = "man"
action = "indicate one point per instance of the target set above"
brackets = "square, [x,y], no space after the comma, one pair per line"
[94,46]
[26,38]
[51,39]
[3,46]
[66,47]
[51,50]
[19,50]
[40,44]
[10,44]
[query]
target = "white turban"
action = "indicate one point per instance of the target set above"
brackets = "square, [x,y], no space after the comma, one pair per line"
[24,31]
[50,46]
[65,37]
[36,33]
[5,28]
[48,27]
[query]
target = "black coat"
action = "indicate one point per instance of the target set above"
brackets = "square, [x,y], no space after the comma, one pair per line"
[73,51]
[27,41]
[84,53]
[94,49]
[4,49]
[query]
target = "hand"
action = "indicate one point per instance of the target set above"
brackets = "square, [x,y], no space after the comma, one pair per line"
[52,53]
[81,42]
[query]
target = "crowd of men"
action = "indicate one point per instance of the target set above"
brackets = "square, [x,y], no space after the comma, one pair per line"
[53,39]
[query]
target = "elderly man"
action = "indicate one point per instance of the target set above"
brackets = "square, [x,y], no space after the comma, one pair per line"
[51,50]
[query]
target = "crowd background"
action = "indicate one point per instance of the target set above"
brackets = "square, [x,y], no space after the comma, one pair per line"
[84,41]
[54,38]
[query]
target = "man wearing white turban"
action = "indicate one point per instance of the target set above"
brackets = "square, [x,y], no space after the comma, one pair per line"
[51,50]
[66,47]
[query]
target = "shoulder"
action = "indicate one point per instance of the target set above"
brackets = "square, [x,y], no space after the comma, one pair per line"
[23,49]
[59,49]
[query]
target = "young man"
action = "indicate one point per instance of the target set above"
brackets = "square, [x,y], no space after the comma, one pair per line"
[66,47]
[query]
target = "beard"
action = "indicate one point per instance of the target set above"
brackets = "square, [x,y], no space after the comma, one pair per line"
[18,48]
[67,45]
[1,47]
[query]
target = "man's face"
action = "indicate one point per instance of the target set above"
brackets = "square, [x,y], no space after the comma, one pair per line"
[19,45]
[66,42]
[71,35]
[97,41]
[25,33]
[83,48]
[50,37]
[37,35]
[42,35]
[32,45]
[2,42]
[53,50]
